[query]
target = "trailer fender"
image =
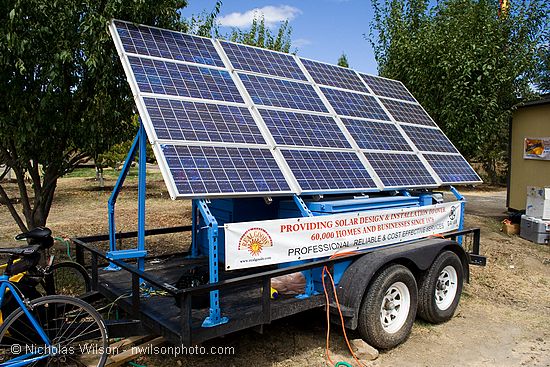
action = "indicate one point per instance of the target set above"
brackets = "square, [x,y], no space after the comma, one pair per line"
[418,256]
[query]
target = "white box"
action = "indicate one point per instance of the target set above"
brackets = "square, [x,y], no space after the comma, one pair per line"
[538,202]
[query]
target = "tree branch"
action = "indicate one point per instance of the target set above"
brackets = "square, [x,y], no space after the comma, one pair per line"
[12,210]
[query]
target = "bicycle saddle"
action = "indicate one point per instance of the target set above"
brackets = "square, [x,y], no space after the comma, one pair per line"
[20,251]
[37,233]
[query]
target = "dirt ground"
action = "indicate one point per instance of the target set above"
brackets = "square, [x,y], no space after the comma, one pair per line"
[503,318]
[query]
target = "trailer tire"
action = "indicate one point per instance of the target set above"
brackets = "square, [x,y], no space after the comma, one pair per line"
[388,309]
[440,288]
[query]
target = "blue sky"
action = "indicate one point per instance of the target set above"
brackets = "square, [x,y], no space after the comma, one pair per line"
[322,29]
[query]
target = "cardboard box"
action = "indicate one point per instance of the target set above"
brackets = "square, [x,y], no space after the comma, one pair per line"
[510,228]
[538,202]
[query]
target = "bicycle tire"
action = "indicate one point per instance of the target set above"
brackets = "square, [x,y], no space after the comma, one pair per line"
[16,330]
[75,281]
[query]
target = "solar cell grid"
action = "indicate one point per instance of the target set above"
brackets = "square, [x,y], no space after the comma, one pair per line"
[328,170]
[262,61]
[400,170]
[169,78]
[334,76]
[167,44]
[193,121]
[376,135]
[282,93]
[301,129]
[452,168]
[431,140]
[387,88]
[204,170]
[354,104]
[407,112]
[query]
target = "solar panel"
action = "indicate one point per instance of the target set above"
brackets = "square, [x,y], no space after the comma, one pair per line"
[328,170]
[334,76]
[354,104]
[194,121]
[262,61]
[174,79]
[376,135]
[400,170]
[407,112]
[387,88]
[228,119]
[282,93]
[452,168]
[202,170]
[304,129]
[165,44]
[429,140]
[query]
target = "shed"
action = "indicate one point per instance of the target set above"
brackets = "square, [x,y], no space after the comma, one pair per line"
[529,151]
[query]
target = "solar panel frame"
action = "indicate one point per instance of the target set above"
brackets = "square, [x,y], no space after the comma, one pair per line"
[402,112]
[440,164]
[374,135]
[384,87]
[398,170]
[434,139]
[354,104]
[334,76]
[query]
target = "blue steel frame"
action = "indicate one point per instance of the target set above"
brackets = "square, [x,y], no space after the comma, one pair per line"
[25,359]
[308,274]
[462,200]
[139,146]
[214,318]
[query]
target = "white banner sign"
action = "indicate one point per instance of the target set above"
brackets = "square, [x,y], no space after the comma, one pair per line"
[250,244]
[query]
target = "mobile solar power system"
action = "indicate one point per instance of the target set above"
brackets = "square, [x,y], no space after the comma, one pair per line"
[292,166]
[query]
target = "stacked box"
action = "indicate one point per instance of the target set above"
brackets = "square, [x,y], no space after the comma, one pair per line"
[538,202]
[535,229]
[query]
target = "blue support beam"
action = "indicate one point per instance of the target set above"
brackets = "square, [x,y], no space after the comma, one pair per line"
[462,200]
[214,318]
[139,146]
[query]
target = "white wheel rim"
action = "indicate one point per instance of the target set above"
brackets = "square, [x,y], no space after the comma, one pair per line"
[395,307]
[446,287]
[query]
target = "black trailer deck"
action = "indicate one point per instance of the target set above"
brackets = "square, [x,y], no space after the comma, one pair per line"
[245,298]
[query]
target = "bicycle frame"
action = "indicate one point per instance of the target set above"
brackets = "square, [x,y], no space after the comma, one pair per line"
[25,359]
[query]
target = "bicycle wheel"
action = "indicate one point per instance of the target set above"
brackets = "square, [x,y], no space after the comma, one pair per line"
[66,278]
[75,329]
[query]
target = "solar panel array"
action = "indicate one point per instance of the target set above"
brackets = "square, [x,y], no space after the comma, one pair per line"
[232,120]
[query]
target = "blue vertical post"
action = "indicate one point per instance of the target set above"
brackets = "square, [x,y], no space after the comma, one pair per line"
[194,225]
[214,318]
[462,200]
[142,182]
[308,274]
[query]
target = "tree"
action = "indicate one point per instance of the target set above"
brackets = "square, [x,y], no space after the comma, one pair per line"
[260,35]
[64,94]
[465,64]
[343,61]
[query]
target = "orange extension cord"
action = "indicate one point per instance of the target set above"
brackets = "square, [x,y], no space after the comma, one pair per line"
[325,269]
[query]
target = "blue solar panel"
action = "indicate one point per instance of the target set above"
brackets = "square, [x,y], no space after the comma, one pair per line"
[354,104]
[181,120]
[452,168]
[334,76]
[387,88]
[282,93]
[328,170]
[199,170]
[400,170]
[430,140]
[156,42]
[262,61]
[169,78]
[376,135]
[301,129]
[407,112]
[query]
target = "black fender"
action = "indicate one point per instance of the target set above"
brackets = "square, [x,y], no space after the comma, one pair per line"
[418,256]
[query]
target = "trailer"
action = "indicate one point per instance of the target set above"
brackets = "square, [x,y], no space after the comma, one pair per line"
[293,167]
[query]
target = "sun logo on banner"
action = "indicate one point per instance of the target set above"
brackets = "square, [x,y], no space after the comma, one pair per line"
[254,240]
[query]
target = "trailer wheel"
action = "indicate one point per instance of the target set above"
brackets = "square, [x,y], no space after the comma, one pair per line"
[388,310]
[440,288]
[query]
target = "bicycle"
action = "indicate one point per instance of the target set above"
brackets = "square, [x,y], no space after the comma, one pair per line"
[60,278]
[53,329]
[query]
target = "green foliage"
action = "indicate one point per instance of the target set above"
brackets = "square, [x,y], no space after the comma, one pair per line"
[543,82]
[64,93]
[343,61]
[466,65]
[260,35]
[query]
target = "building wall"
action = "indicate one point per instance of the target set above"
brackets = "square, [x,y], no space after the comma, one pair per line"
[529,121]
